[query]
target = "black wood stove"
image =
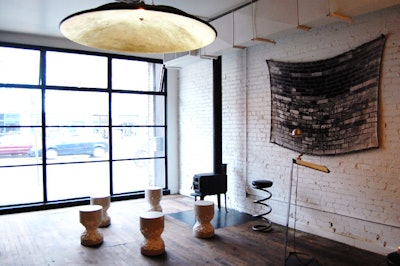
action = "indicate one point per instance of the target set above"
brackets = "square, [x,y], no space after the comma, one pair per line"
[210,184]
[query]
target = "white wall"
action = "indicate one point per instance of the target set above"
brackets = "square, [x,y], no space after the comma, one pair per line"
[173,131]
[195,122]
[358,203]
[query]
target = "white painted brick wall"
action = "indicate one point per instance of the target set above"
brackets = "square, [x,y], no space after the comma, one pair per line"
[358,203]
[195,122]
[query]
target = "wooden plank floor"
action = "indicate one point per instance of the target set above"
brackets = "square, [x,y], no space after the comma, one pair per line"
[53,238]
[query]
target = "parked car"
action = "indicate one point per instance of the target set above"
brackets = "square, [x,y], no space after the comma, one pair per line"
[14,145]
[75,145]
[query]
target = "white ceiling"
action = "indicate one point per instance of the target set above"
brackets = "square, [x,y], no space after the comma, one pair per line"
[42,17]
[273,17]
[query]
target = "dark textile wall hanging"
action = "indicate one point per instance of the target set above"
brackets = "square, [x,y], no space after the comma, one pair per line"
[333,101]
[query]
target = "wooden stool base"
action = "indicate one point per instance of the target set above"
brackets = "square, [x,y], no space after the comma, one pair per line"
[152,226]
[104,201]
[153,196]
[90,217]
[204,211]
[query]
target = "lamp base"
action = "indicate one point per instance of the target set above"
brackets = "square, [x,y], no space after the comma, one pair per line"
[300,259]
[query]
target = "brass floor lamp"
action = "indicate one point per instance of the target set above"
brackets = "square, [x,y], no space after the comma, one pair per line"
[295,133]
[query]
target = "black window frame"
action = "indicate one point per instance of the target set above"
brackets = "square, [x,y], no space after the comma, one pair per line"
[46,204]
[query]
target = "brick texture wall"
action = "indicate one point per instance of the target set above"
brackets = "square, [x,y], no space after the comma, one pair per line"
[358,203]
[195,123]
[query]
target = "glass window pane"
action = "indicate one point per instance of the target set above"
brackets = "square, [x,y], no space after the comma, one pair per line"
[19,66]
[20,185]
[20,107]
[137,109]
[157,176]
[129,177]
[131,75]
[74,144]
[17,148]
[66,181]
[76,70]
[76,108]
[138,142]
[135,75]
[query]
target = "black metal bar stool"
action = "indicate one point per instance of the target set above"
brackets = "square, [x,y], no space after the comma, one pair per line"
[263,185]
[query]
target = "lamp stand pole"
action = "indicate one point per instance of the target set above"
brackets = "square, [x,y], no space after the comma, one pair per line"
[288,211]
[300,162]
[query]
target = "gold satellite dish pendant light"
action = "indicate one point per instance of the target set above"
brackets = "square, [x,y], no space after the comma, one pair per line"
[139,28]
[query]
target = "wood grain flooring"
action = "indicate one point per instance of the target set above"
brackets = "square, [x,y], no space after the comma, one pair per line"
[52,237]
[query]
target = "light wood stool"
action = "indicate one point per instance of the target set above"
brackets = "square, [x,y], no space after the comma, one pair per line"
[204,212]
[104,201]
[153,196]
[152,226]
[90,217]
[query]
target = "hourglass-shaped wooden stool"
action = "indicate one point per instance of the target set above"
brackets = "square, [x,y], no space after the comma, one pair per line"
[104,201]
[152,226]
[153,196]
[90,217]
[204,211]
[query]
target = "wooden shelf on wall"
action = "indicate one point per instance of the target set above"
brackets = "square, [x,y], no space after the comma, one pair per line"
[303,27]
[341,17]
[258,39]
